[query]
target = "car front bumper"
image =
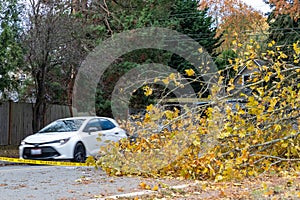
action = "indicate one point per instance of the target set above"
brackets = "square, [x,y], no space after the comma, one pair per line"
[44,152]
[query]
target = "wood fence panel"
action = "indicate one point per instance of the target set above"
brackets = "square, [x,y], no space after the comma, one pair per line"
[27,120]
[16,123]
[4,123]
[21,122]
[14,128]
[55,112]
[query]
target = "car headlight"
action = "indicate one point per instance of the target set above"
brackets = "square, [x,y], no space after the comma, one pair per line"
[64,141]
[23,142]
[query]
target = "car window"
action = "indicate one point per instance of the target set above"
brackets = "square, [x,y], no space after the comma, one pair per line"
[63,126]
[93,123]
[106,124]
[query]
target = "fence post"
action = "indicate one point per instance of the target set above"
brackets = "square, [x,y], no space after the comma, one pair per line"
[10,121]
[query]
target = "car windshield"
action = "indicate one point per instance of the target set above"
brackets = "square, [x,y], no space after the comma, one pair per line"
[63,126]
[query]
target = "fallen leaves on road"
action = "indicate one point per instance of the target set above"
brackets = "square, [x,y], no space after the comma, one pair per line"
[84,180]
[274,186]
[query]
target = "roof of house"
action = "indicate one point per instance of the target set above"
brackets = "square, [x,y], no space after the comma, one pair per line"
[259,63]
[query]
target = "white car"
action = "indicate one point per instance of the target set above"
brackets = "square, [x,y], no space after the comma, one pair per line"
[71,138]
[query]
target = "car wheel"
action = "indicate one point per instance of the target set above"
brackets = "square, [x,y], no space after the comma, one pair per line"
[79,153]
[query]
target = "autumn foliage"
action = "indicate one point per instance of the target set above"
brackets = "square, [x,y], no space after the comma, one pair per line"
[221,141]
[235,20]
[291,8]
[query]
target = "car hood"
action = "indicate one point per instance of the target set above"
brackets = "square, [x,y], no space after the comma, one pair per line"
[48,137]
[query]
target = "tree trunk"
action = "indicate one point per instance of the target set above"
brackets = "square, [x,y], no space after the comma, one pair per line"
[39,109]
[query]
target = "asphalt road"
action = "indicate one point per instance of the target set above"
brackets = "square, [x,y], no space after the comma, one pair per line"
[18,182]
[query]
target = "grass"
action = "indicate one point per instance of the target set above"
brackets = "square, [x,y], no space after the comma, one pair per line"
[10,151]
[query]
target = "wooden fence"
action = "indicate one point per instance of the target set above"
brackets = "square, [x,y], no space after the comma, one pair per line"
[16,120]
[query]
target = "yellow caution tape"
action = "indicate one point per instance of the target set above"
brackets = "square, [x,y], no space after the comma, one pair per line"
[42,162]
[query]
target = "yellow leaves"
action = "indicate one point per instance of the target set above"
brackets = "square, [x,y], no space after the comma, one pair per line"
[231,85]
[270,44]
[228,130]
[166,81]
[221,79]
[267,77]
[230,88]
[244,139]
[282,55]
[196,143]
[269,192]
[147,118]
[242,133]
[189,72]
[90,161]
[284,145]
[243,157]
[261,92]
[145,186]
[218,178]
[155,188]
[273,103]
[251,173]
[172,76]
[211,170]
[156,80]
[253,106]
[147,90]
[200,50]
[271,53]
[169,114]
[296,48]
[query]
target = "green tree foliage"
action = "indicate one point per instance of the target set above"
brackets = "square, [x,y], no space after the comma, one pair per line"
[188,19]
[182,16]
[284,31]
[11,52]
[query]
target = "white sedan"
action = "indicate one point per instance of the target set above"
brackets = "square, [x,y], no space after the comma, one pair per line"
[71,138]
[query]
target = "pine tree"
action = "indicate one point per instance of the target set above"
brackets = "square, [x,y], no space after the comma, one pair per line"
[284,30]
[195,23]
[284,26]
[198,25]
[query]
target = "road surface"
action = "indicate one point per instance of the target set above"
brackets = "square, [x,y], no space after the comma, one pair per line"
[61,183]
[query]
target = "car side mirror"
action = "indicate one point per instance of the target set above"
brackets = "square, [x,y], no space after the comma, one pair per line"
[92,129]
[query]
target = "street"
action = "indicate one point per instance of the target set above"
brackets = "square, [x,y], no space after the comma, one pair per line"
[54,182]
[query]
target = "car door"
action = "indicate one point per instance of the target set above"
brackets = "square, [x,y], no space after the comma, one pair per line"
[110,132]
[90,136]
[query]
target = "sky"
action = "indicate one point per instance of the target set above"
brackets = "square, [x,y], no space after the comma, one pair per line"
[258,4]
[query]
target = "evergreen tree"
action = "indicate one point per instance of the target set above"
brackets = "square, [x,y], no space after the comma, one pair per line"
[198,25]
[195,23]
[11,54]
[179,15]
[284,31]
